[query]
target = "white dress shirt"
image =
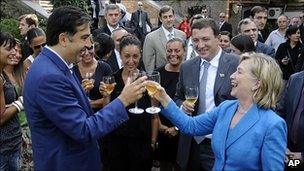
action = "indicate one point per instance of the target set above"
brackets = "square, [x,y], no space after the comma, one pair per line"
[167,33]
[119,62]
[190,47]
[111,28]
[212,71]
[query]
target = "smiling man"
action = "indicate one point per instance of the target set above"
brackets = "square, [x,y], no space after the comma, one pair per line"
[63,126]
[210,72]
[154,50]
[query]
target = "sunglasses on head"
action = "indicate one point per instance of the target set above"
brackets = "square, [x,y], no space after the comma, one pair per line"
[39,46]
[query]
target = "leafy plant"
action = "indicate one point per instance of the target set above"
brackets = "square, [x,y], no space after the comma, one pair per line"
[79,3]
[10,26]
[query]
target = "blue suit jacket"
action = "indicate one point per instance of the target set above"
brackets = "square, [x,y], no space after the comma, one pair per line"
[257,142]
[63,127]
[263,48]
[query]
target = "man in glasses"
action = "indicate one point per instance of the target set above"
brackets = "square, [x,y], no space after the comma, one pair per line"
[205,12]
[223,24]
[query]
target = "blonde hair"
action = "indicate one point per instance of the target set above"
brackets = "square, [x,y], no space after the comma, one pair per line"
[268,72]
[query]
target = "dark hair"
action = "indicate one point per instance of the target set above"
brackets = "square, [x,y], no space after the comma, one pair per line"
[165,9]
[205,23]
[291,30]
[195,17]
[243,43]
[257,9]
[103,43]
[226,33]
[33,33]
[64,19]
[129,40]
[6,38]
[175,39]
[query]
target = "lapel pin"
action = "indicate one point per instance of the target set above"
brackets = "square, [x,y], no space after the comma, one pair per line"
[222,75]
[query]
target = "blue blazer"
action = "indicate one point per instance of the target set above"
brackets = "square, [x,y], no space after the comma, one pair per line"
[257,142]
[63,126]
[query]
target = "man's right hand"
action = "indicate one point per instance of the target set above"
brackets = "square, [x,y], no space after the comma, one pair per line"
[133,91]
[188,107]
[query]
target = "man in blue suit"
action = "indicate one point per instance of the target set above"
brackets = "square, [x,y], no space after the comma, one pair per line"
[248,27]
[195,153]
[63,126]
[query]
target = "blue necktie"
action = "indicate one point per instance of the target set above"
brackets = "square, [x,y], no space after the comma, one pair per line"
[202,97]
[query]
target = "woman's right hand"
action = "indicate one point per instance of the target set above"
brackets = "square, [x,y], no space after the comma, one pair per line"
[87,84]
[161,94]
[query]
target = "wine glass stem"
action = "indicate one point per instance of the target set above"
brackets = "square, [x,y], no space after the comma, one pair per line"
[136,105]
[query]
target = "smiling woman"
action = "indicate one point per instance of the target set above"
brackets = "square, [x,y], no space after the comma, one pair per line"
[246,133]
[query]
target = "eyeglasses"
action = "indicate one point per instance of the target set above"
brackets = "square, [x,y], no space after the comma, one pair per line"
[39,46]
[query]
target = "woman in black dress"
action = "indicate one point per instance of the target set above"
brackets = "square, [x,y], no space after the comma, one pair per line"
[289,55]
[90,71]
[168,133]
[129,147]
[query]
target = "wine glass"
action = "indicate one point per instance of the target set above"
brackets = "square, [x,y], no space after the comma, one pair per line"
[152,89]
[134,75]
[191,94]
[109,82]
[88,82]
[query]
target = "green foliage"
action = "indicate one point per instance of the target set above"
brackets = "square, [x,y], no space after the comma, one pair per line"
[10,26]
[79,3]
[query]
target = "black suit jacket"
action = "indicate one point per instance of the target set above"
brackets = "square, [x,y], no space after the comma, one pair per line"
[112,61]
[189,75]
[288,105]
[144,18]
[226,27]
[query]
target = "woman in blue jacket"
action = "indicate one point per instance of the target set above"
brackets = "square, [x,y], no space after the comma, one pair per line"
[247,133]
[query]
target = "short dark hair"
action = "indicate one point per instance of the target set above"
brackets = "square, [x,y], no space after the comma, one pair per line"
[7,39]
[195,17]
[64,19]
[176,39]
[103,43]
[257,9]
[205,23]
[33,33]
[244,43]
[226,33]
[291,30]
[129,40]
[165,9]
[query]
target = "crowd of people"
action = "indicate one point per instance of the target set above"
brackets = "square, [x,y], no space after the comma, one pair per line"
[68,93]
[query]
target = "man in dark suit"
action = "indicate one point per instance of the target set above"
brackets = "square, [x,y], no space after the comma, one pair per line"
[139,21]
[112,16]
[248,27]
[259,16]
[115,61]
[291,106]
[210,72]
[63,126]
[223,24]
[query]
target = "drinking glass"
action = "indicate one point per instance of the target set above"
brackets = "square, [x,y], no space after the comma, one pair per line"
[134,76]
[109,82]
[191,94]
[88,81]
[152,89]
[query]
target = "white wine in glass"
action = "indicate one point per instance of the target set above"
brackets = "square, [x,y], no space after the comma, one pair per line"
[109,83]
[151,88]
[191,94]
[134,75]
